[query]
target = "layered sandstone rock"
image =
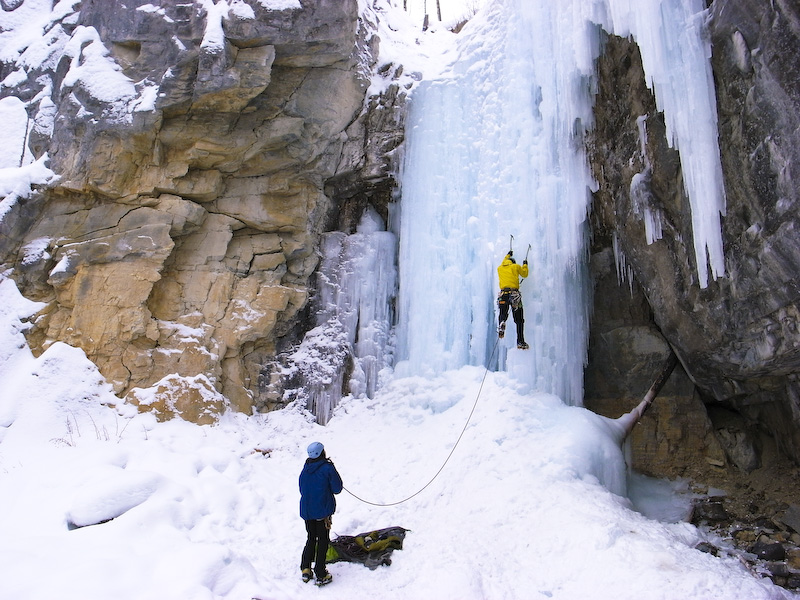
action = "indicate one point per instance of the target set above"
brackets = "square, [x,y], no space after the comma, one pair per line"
[182,234]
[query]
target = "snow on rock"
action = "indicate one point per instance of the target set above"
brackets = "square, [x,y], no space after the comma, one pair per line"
[15,118]
[420,54]
[23,28]
[93,69]
[280,4]
[214,36]
[193,398]
[17,183]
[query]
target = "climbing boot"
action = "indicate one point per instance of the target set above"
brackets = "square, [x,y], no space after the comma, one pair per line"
[307,575]
[502,331]
[324,580]
[522,346]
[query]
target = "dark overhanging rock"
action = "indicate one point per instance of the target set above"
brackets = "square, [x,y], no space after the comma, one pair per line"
[738,339]
[758,94]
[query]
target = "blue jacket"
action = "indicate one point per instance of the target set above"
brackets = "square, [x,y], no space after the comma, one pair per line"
[319,481]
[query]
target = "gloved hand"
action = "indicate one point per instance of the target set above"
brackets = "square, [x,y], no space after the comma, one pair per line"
[510,253]
[525,262]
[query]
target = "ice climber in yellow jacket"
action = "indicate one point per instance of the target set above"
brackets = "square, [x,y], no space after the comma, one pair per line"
[508,274]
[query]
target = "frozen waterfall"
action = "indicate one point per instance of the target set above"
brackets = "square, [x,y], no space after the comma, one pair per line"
[493,151]
[496,149]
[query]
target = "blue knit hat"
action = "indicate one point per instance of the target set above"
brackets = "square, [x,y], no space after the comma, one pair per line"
[315,449]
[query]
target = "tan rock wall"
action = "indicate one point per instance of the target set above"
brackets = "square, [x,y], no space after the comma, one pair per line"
[180,242]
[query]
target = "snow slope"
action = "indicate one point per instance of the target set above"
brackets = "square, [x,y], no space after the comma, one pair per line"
[98,502]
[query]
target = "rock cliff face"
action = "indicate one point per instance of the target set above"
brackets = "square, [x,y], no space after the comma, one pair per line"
[177,247]
[738,338]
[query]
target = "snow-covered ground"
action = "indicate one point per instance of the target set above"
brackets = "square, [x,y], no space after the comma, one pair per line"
[99,502]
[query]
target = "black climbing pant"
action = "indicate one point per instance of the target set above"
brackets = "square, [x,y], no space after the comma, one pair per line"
[511,298]
[316,547]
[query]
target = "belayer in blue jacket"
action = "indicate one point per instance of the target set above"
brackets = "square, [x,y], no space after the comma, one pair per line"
[319,481]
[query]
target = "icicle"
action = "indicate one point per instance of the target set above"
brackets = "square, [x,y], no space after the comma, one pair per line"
[624,270]
[676,49]
[641,197]
[641,125]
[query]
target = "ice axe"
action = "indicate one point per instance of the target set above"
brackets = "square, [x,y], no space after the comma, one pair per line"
[528,252]
[511,245]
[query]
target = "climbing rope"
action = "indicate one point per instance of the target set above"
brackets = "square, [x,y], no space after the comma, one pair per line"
[469,418]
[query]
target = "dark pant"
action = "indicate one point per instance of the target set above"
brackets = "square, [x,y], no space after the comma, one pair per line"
[316,547]
[512,299]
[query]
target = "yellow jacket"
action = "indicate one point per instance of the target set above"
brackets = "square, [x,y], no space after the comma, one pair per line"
[509,273]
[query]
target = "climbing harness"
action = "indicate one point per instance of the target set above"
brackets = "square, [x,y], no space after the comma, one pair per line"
[469,418]
[509,296]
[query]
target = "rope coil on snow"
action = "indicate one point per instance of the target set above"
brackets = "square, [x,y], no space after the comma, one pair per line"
[469,418]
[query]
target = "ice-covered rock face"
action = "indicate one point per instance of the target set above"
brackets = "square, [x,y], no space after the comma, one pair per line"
[203,148]
[193,142]
[738,337]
